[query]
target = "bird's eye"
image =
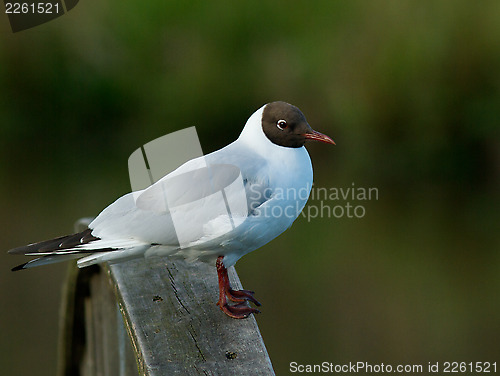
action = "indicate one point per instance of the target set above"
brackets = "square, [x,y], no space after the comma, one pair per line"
[281,124]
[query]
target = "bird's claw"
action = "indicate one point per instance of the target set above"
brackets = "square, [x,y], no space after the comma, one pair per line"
[237,311]
[242,296]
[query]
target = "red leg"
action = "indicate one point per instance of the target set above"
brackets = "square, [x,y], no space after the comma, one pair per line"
[239,310]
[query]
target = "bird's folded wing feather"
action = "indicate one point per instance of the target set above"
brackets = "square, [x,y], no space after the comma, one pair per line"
[186,196]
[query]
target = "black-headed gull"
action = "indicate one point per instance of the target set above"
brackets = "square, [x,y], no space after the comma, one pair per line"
[276,176]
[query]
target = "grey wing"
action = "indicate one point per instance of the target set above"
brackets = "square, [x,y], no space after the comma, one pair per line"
[182,207]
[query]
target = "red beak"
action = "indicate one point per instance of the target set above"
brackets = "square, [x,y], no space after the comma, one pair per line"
[313,135]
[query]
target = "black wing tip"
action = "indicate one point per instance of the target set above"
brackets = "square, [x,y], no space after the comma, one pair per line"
[57,244]
[18,250]
[19,267]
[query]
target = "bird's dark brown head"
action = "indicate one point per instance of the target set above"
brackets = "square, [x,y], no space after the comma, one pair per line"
[285,125]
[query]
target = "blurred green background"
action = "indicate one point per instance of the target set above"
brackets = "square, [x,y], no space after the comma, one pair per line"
[409,90]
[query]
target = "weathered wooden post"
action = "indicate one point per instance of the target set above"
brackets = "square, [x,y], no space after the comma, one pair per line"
[154,317]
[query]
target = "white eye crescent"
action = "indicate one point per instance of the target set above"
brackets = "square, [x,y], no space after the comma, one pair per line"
[281,124]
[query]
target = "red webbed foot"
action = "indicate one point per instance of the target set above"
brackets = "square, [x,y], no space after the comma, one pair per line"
[237,311]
